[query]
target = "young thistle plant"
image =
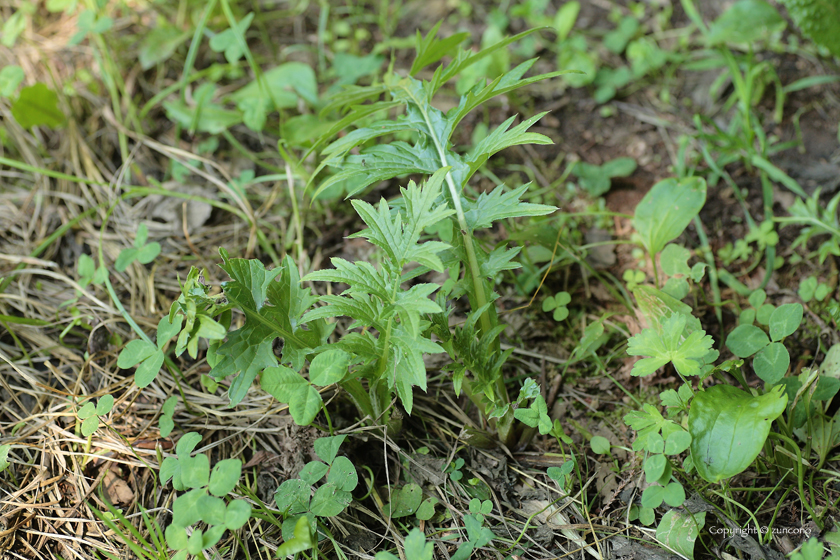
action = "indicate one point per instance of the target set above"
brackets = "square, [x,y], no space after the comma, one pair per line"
[381,354]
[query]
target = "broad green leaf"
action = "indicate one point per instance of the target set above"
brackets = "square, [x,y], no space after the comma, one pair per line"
[785,320]
[212,509]
[674,494]
[653,496]
[37,105]
[187,444]
[88,410]
[674,260]
[771,363]
[212,536]
[211,118]
[166,329]
[284,83]
[600,445]
[757,298]
[329,500]
[329,367]
[90,425]
[678,530]
[313,471]
[11,77]
[302,539]
[746,340]
[343,474]
[292,497]
[669,345]
[667,209]
[186,509]
[195,471]
[677,442]
[763,313]
[655,467]
[404,501]
[238,513]
[148,370]
[225,477]
[135,352]
[288,386]
[105,404]
[176,537]
[728,428]
[565,18]
[160,43]
[326,448]
[426,510]
[745,21]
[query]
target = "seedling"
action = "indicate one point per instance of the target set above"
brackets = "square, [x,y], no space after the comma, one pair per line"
[595,179]
[557,303]
[142,252]
[202,498]
[90,414]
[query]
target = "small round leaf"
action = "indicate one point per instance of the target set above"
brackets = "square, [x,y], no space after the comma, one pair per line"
[225,476]
[237,514]
[771,363]
[785,320]
[746,340]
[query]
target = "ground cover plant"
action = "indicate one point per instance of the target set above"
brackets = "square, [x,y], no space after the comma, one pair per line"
[419,280]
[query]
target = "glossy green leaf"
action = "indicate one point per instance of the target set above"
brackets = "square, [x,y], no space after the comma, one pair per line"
[667,209]
[728,428]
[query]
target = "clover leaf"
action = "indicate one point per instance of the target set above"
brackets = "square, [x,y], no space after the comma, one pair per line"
[142,252]
[90,413]
[557,303]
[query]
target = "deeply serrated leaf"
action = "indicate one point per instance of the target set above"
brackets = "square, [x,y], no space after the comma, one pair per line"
[499,205]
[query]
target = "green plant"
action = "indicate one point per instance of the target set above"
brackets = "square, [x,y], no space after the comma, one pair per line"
[4,456]
[90,414]
[396,324]
[557,304]
[301,503]
[142,252]
[595,179]
[202,498]
[818,21]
